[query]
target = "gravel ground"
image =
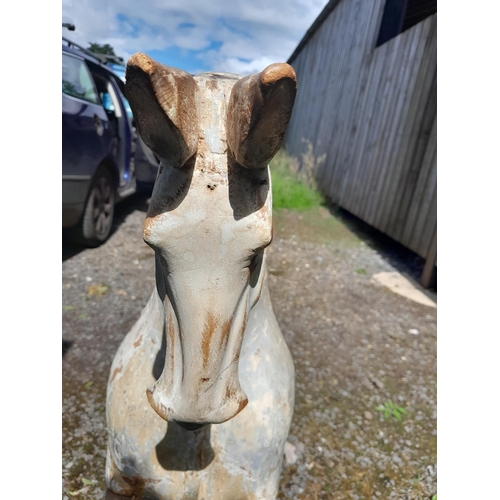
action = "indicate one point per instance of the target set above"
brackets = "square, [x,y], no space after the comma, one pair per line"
[355,345]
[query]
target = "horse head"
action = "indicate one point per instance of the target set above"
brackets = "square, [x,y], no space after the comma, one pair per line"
[209,221]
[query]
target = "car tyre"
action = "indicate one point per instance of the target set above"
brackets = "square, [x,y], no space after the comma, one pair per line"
[97,219]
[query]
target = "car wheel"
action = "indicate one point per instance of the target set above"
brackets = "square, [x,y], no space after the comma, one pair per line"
[97,219]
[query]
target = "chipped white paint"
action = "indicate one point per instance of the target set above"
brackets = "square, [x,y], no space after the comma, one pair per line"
[207,348]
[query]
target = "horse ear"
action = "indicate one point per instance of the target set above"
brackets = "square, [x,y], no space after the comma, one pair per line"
[163,103]
[259,111]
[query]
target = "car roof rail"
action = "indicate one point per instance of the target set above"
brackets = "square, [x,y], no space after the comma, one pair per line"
[108,59]
[102,58]
[73,45]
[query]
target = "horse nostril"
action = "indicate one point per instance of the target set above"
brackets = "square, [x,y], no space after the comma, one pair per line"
[189,426]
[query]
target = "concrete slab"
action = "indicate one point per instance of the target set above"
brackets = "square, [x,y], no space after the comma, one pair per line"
[404,286]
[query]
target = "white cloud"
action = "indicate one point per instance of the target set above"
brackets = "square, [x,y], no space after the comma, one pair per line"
[248,35]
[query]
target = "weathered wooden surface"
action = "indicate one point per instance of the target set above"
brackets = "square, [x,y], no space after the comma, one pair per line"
[201,390]
[372,111]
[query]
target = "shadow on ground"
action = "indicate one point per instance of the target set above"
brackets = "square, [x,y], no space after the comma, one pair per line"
[137,202]
[400,257]
[66,344]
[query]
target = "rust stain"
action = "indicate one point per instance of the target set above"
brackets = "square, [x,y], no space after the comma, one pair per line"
[212,84]
[204,161]
[244,325]
[276,72]
[259,293]
[139,484]
[208,333]
[264,209]
[149,395]
[259,109]
[138,342]
[242,332]
[242,405]
[171,337]
[148,223]
[168,95]
[171,331]
[116,371]
[226,329]
[142,61]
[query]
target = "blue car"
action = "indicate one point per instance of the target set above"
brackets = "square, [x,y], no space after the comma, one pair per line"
[103,159]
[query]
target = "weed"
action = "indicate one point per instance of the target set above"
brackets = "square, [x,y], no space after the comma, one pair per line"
[294,186]
[360,271]
[417,479]
[392,409]
[309,165]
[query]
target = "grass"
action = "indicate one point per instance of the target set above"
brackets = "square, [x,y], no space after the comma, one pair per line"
[292,194]
[293,181]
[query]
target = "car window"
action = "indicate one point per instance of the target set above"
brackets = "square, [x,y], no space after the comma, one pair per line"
[119,71]
[77,81]
[102,85]
[107,102]
[128,109]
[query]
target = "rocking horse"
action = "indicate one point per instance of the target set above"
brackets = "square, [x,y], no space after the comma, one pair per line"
[201,390]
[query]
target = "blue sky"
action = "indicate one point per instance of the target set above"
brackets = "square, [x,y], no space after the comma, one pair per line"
[235,36]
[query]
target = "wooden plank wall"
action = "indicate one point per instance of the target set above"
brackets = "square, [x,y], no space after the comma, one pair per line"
[372,112]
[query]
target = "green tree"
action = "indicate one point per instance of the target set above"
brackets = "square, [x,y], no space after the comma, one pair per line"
[97,48]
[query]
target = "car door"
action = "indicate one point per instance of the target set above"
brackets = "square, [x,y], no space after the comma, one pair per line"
[125,165]
[85,128]
[145,161]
